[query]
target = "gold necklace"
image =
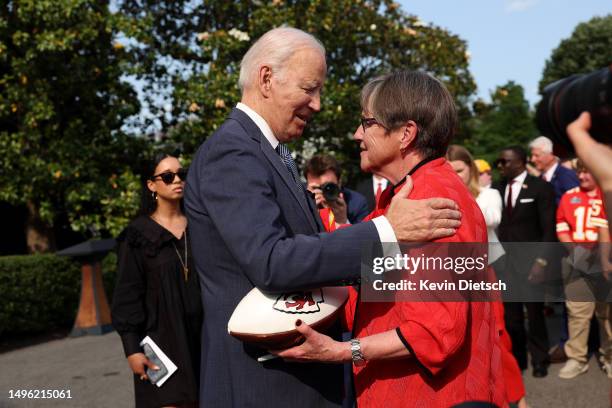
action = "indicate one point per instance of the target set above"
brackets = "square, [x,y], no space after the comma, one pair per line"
[183,263]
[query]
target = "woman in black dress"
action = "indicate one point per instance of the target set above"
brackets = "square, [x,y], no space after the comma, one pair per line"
[157,292]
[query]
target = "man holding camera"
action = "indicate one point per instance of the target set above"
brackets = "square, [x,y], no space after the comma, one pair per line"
[323,180]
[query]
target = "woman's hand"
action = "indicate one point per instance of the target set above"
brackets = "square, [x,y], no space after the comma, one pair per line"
[316,347]
[138,363]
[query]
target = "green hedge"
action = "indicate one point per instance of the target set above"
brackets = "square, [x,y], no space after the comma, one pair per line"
[41,292]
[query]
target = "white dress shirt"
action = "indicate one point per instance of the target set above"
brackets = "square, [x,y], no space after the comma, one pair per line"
[376,180]
[490,203]
[261,124]
[516,188]
[382,224]
[548,174]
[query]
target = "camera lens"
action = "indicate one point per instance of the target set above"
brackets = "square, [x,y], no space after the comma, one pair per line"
[331,191]
[563,101]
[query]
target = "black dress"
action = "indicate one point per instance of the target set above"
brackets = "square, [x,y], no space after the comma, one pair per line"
[153,299]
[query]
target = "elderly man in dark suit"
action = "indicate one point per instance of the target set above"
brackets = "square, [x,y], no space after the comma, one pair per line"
[542,157]
[253,225]
[528,216]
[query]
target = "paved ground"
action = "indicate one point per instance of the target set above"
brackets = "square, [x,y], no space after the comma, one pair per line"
[94,370]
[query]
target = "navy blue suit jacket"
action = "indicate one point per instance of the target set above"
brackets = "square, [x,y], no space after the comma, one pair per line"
[251,225]
[563,179]
[356,205]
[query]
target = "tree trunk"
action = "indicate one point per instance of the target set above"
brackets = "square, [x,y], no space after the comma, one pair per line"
[39,236]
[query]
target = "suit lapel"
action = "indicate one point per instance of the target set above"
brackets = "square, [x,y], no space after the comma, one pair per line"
[501,187]
[276,163]
[554,177]
[315,212]
[282,170]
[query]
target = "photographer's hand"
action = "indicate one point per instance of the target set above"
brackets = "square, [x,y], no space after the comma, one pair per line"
[339,208]
[319,199]
[596,156]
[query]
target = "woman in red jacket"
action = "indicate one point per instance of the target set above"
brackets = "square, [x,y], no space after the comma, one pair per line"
[410,353]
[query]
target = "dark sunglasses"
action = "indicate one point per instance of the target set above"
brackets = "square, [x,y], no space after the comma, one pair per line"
[168,176]
[500,162]
[367,122]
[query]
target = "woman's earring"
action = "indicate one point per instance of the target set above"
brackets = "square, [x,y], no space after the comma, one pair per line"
[154,195]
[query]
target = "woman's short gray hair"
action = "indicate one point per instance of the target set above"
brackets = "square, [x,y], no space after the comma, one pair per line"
[274,49]
[396,98]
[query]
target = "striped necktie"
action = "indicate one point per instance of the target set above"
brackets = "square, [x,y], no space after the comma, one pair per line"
[289,163]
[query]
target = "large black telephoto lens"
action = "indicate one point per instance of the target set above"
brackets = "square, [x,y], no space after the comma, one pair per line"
[564,100]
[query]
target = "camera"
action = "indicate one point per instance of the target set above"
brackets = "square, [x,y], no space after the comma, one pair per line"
[331,191]
[564,100]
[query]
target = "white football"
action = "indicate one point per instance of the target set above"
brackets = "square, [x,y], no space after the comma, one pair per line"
[268,319]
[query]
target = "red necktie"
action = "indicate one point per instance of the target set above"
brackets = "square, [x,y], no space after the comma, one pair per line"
[378,192]
[509,199]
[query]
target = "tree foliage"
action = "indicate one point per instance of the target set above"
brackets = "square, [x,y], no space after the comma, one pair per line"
[68,70]
[507,120]
[196,48]
[588,48]
[61,109]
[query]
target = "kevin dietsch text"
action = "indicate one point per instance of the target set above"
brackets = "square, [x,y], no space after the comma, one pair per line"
[428,285]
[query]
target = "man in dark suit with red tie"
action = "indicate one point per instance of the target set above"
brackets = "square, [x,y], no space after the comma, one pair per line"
[528,216]
[372,188]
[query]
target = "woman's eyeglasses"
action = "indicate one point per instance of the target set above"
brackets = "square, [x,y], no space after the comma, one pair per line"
[168,176]
[367,122]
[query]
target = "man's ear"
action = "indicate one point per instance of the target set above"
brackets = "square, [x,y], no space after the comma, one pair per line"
[264,80]
[409,135]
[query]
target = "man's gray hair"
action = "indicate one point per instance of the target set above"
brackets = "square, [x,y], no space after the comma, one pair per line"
[274,49]
[543,143]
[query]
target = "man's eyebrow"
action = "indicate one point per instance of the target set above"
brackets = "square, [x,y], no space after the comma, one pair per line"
[312,83]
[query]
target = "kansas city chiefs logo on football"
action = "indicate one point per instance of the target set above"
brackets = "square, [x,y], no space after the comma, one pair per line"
[299,302]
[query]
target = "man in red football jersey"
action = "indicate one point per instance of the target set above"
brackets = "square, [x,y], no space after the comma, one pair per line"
[579,216]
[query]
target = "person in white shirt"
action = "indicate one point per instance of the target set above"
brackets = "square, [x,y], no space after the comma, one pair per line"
[488,199]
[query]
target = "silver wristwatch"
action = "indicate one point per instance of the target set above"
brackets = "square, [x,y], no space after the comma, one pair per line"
[356,354]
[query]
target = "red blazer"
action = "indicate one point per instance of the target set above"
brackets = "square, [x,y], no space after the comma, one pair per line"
[454,346]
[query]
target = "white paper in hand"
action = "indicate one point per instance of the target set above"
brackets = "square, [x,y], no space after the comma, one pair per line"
[170,366]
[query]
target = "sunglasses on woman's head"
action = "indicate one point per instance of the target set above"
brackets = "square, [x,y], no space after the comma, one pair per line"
[168,176]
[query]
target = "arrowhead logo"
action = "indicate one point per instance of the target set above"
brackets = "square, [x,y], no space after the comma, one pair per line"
[299,302]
